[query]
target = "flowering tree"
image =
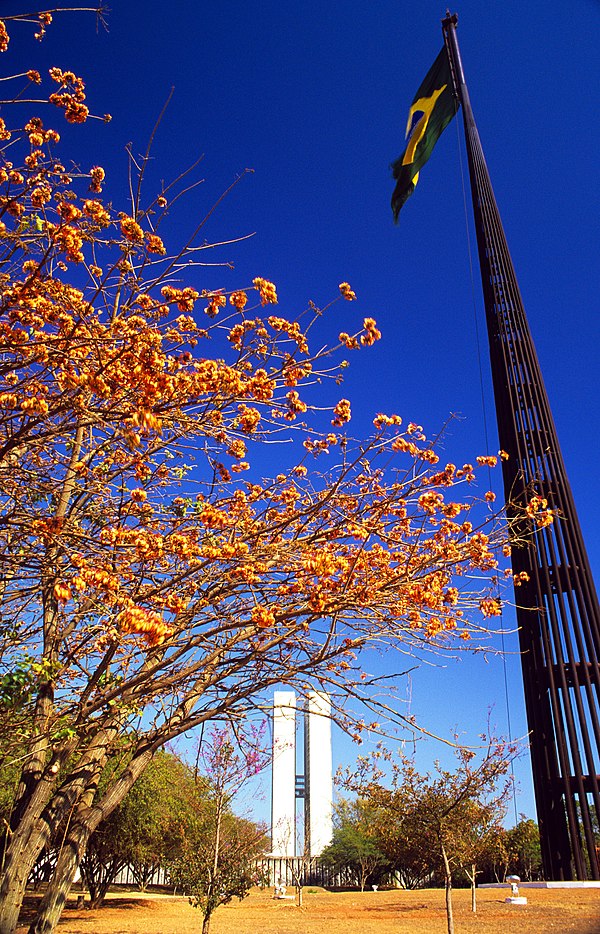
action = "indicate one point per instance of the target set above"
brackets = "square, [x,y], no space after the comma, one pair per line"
[217,860]
[147,587]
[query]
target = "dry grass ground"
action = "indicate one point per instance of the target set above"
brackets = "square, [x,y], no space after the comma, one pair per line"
[549,911]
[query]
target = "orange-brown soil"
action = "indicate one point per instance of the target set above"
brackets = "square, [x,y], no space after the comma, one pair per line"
[549,911]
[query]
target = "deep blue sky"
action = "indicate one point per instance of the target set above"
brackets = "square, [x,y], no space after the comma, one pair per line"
[313,97]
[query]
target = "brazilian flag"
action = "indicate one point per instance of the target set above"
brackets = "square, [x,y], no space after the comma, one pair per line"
[430,113]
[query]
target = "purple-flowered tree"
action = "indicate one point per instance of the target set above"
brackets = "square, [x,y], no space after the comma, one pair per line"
[218,857]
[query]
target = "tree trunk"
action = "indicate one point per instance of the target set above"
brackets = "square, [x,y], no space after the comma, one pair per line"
[30,831]
[92,888]
[300,896]
[473,889]
[448,885]
[101,894]
[206,923]
[38,820]
[55,896]
[13,891]
[24,847]
[84,824]
[98,874]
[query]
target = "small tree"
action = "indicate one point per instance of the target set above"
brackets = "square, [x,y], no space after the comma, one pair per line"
[300,868]
[354,848]
[218,857]
[496,858]
[524,849]
[481,826]
[103,861]
[154,814]
[407,850]
[145,829]
[446,805]
[212,879]
[439,812]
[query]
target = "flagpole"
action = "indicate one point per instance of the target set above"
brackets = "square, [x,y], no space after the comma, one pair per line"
[557,607]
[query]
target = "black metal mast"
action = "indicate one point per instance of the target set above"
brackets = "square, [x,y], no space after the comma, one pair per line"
[557,609]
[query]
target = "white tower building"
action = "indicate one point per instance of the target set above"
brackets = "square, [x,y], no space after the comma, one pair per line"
[315,785]
[318,804]
[283,794]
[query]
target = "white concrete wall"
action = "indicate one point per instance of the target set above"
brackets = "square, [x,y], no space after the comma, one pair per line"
[318,772]
[283,790]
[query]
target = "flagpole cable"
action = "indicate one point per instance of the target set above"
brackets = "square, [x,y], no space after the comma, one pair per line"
[487,444]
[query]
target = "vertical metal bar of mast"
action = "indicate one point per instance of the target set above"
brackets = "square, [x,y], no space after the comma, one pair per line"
[557,608]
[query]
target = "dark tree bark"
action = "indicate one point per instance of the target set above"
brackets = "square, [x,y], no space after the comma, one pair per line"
[84,823]
[38,820]
[55,896]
